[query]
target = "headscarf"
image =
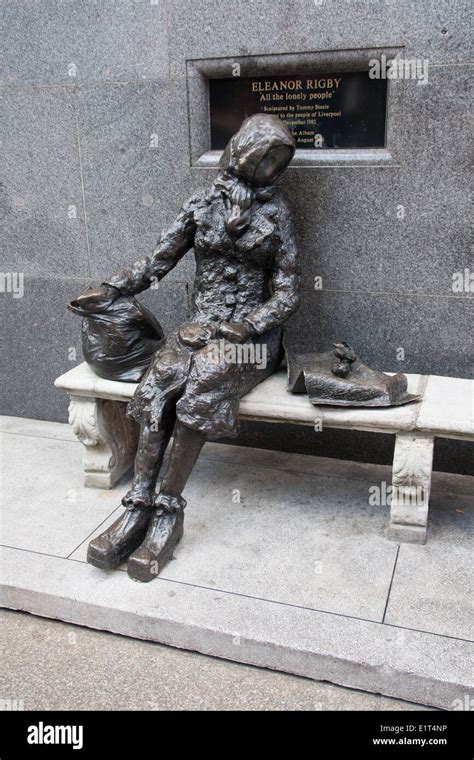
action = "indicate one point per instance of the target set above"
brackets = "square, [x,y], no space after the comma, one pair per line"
[256,137]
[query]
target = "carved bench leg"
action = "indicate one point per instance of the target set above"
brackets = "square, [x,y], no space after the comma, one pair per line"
[110,439]
[411,481]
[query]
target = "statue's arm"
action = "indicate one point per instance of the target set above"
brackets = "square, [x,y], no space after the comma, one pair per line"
[172,245]
[284,283]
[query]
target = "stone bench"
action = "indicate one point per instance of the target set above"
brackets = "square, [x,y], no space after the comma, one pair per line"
[97,415]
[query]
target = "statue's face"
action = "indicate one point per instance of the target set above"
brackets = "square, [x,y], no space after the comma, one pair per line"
[274,162]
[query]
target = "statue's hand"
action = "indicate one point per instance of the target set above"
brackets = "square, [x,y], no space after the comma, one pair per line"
[97,299]
[236,332]
[195,336]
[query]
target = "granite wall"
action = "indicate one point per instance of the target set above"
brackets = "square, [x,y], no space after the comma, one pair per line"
[101,116]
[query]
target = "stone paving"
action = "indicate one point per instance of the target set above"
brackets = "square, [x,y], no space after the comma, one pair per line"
[284,564]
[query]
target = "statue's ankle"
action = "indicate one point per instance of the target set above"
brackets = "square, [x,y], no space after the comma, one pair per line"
[139,499]
[170,504]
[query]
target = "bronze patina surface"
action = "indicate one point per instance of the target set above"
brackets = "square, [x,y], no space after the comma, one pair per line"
[339,378]
[246,286]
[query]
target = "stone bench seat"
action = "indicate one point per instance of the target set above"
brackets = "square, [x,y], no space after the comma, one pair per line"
[97,415]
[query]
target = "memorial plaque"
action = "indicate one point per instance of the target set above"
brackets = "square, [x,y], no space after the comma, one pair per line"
[345,110]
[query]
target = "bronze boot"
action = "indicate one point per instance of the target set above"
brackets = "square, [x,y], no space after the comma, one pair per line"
[114,545]
[164,533]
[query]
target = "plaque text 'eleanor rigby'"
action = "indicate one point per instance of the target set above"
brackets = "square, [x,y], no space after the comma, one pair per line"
[345,110]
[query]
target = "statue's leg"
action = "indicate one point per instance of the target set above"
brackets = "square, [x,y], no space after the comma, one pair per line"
[166,526]
[113,546]
[187,445]
[149,458]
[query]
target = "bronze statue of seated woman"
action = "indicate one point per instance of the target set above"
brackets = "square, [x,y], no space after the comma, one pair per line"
[246,286]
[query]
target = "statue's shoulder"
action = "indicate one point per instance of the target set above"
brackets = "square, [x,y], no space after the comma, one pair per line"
[196,202]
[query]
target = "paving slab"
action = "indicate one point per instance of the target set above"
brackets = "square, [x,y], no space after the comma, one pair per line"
[288,538]
[442,599]
[36,428]
[51,665]
[283,564]
[45,505]
[370,656]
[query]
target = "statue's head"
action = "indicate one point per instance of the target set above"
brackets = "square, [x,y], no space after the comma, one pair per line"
[261,149]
